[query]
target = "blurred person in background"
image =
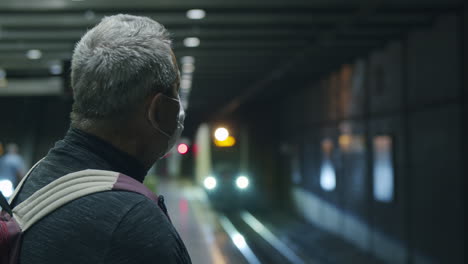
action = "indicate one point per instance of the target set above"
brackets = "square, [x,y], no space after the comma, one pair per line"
[12,164]
[5,185]
[126,115]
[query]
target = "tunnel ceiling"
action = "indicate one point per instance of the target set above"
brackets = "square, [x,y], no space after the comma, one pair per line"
[246,45]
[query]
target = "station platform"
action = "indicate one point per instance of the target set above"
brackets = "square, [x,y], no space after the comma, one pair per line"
[198,224]
[270,236]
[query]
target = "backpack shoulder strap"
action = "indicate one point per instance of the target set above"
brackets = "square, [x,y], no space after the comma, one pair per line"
[70,187]
[20,185]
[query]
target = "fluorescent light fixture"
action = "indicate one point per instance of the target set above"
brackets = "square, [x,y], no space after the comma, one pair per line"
[34,54]
[185,84]
[187,59]
[188,68]
[56,69]
[191,42]
[186,76]
[196,13]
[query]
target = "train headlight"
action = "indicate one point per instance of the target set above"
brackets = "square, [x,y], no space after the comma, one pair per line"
[242,182]
[6,187]
[210,183]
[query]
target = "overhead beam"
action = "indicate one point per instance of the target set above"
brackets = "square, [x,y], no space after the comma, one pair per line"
[33,87]
[50,5]
[89,19]
[52,55]
[239,34]
[26,64]
[86,20]
[18,57]
[43,46]
[205,44]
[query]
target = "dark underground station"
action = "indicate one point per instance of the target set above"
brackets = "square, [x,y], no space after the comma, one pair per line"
[316,131]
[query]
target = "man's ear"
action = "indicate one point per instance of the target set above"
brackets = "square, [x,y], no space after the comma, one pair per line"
[162,113]
[153,109]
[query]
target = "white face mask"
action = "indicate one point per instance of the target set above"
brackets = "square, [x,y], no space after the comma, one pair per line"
[172,139]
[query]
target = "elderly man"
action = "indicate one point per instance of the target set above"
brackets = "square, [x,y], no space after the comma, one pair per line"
[125,116]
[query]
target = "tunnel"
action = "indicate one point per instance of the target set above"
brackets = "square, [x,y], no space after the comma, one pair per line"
[316,131]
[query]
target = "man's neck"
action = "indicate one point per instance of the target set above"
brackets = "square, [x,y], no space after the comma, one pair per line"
[118,158]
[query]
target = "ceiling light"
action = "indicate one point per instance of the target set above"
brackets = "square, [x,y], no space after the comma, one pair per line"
[191,42]
[188,59]
[188,68]
[185,84]
[196,13]
[56,69]
[34,54]
[89,15]
[186,76]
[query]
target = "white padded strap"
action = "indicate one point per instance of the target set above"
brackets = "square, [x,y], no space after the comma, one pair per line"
[60,192]
[18,188]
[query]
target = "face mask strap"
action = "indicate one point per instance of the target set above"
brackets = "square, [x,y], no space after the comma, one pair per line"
[171,98]
[156,125]
[162,132]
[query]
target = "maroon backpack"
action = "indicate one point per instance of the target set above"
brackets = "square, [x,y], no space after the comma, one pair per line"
[15,221]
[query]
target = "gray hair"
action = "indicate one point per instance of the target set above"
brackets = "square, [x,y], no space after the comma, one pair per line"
[117,64]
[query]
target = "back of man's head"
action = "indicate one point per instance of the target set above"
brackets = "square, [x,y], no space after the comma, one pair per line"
[117,64]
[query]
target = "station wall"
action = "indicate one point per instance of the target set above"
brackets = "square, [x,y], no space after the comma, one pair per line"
[403,103]
[34,123]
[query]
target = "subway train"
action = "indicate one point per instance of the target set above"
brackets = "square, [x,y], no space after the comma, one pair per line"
[221,169]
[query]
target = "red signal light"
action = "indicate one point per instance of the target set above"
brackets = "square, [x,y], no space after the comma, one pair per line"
[182,148]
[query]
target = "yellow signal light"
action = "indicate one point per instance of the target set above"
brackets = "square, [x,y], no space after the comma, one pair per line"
[228,142]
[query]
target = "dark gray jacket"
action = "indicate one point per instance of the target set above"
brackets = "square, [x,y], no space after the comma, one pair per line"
[108,227]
